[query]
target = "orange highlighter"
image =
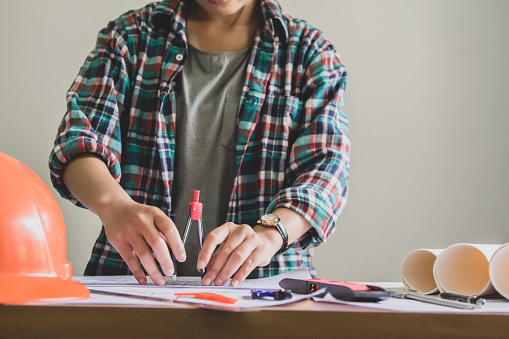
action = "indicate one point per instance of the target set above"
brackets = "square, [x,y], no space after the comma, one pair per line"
[209,296]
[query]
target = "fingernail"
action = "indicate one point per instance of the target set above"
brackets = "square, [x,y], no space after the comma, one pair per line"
[219,282]
[206,281]
[160,282]
[142,281]
[169,272]
[181,257]
[201,264]
[234,283]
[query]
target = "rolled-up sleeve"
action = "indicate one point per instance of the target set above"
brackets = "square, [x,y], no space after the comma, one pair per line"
[94,104]
[320,156]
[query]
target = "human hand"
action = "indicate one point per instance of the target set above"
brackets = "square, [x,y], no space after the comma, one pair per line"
[137,230]
[242,249]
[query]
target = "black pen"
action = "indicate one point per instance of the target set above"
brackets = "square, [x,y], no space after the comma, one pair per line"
[465,298]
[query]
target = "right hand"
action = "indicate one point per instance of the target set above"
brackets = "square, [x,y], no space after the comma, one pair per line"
[137,230]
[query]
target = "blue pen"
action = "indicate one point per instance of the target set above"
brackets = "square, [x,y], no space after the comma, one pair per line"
[281,294]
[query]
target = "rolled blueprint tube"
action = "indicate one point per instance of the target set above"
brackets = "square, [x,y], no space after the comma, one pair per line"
[499,270]
[464,269]
[416,270]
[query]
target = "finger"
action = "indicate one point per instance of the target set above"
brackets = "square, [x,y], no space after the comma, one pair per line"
[170,232]
[146,258]
[212,257]
[211,261]
[214,238]
[161,252]
[247,267]
[235,261]
[127,253]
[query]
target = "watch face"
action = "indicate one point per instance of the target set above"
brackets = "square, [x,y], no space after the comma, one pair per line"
[270,218]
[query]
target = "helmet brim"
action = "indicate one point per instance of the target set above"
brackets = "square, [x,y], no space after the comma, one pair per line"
[18,289]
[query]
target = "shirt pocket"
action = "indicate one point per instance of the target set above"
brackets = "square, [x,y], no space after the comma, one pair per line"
[229,123]
[280,124]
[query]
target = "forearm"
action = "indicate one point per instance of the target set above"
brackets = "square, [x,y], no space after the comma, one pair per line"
[295,224]
[89,180]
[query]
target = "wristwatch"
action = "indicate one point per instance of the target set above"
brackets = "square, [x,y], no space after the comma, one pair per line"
[272,220]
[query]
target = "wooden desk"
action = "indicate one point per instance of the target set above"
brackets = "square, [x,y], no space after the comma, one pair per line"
[304,319]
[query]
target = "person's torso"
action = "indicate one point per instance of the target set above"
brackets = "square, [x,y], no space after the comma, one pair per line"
[208,92]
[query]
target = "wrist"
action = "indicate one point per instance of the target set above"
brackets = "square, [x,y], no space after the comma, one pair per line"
[271,236]
[109,203]
[273,222]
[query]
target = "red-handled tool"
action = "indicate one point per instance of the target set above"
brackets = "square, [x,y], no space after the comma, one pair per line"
[195,211]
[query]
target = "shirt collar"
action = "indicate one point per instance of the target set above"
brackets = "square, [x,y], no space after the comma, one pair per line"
[275,23]
[170,14]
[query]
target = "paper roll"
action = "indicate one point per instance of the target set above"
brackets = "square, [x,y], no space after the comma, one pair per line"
[464,269]
[499,270]
[416,270]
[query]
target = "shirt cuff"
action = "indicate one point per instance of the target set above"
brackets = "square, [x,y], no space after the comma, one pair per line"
[313,208]
[62,154]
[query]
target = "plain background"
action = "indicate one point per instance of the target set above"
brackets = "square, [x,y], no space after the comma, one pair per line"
[427,100]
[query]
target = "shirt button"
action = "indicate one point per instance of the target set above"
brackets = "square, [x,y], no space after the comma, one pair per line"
[179,57]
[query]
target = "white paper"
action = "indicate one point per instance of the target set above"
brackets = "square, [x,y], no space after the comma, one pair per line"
[186,282]
[242,295]
[128,285]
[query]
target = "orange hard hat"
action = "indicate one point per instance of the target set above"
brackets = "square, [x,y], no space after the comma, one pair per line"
[33,254]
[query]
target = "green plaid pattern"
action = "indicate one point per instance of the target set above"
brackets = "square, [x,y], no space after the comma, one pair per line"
[293,148]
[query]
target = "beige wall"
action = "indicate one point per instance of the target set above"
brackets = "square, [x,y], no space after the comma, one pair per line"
[427,99]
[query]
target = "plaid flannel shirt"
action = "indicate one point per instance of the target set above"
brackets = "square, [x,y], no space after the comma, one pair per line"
[293,147]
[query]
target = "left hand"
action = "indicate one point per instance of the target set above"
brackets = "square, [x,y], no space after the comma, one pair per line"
[242,249]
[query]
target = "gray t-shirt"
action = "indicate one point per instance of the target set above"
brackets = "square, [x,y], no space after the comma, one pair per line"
[208,96]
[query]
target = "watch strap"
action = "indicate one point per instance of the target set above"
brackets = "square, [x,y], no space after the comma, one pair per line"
[284,235]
